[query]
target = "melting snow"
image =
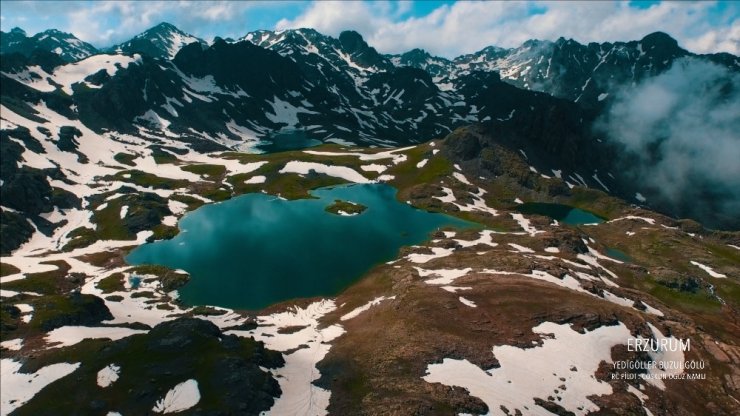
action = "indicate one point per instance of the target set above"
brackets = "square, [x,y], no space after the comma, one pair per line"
[355,312]
[445,276]
[303,168]
[708,269]
[256,179]
[563,354]
[71,335]
[467,302]
[181,397]
[18,388]
[300,396]
[524,223]
[108,375]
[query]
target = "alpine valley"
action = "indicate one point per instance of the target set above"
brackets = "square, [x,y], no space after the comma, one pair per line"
[549,251]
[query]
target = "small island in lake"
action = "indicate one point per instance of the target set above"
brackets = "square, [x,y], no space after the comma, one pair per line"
[345,208]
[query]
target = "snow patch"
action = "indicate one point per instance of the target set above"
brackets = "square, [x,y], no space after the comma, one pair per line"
[357,311]
[181,397]
[562,354]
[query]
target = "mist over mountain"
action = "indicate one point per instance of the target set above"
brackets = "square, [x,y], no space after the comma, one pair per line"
[680,131]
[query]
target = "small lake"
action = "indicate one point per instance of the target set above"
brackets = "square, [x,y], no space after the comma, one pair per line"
[618,254]
[563,213]
[286,140]
[256,250]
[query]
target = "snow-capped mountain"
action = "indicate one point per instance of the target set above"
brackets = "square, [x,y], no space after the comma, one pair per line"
[543,97]
[162,41]
[66,45]
[586,74]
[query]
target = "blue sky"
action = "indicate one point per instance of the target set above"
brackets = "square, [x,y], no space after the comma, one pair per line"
[445,28]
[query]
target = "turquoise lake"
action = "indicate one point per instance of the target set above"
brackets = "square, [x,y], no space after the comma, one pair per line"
[618,254]
[287,140]
[563,213]
[255,250]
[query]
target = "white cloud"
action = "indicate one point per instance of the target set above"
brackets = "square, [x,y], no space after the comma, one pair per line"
[103,23]
[465,27]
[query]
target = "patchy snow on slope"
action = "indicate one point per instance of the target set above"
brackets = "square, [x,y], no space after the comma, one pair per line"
[652,310]
[26,311]
[460,177]
[360,309]
[374,167]
[467,302]
[108,375]
[486,238]
[300,396]
[437,252]
[444,276]
[388,154]
[672,358]
[611,297]
[648,220]
[12,344]
[521,249]
[563,366]
[455,289]
[71,335]
[449,197]
[256,179]
[285,113]
[18,388]
[525,224]
[422,163]
[66,75]
[708,269]
[181,397]
[568,281]
[303,168]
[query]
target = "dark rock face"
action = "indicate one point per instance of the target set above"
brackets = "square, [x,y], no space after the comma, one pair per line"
[71,309]
[226,367]
[14,231]
[26,190]
[360,51]
[147,212]
[9,316]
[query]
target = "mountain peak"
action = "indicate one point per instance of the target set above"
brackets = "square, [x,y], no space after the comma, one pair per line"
[161,41]
[417,52]
[350,36]
[660,40]
[364,54]
[18,31]
[164,26]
